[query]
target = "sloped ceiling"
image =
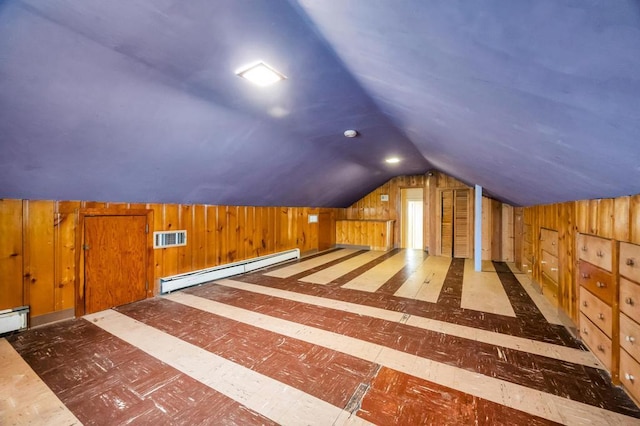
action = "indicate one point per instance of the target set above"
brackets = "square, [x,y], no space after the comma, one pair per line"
[138,100]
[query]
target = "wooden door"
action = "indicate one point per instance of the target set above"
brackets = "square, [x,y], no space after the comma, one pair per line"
[446,245]
[115,250]
[461,237]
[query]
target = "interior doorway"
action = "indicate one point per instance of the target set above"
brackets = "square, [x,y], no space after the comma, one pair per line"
[455,223]
[412,218]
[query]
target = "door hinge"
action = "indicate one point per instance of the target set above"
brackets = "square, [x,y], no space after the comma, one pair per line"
[86,247]
[146,228]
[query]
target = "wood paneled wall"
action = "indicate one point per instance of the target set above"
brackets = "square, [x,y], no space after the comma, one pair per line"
[38,256]
[617,219]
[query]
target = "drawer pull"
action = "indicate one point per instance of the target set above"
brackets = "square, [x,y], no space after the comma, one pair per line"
[601,348]
[585,331]
[629,377]
[630,339]
[584,248]
[554,269]
[601,316]
[600,254]
[600,284]
[630,262]
[585,304]
[544,262]
[553,243]
[628,301]
[585,275]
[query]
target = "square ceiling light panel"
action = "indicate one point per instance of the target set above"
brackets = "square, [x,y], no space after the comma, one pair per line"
[261,74]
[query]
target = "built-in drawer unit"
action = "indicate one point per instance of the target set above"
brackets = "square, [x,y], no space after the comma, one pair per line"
[599,343]
[597,311]
[549,265]
[630,374]
[595,250]
[630,261]
[598,299]
[629,303]
[597,281]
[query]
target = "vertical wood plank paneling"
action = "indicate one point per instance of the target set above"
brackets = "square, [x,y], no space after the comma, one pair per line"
[211,242]
[185,253]
[65,226]
[232,234]
[11,254]
[508,228]
[487,230]
[594,206]
[170,255]
[222,235]
[199,232]
[634,218]
[605,218]
[582,216]
[158,254]
[621,219]
[39,245]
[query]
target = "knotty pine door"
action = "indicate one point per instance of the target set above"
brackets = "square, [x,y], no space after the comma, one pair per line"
[115,250]
[455,221]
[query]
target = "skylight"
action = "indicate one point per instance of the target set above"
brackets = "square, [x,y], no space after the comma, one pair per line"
[261,74]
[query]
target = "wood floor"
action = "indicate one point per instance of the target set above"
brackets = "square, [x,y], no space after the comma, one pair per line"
[342,337]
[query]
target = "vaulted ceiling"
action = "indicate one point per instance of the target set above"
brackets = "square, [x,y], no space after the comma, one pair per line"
[537,101]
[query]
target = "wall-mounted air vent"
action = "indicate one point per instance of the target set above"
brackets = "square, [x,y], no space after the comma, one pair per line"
[164,239]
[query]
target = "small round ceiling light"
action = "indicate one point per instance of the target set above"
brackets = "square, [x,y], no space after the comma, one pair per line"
[392,160]
[350,133]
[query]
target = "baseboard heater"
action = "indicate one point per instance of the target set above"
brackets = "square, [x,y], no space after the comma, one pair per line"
[13,319]
[177,282]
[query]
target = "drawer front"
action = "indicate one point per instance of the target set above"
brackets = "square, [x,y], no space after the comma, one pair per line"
[630,299]
[596,310]
[550,289]
[630,336]
[549,265]
[595,250]
[630,261]
[597,281]
[549,241]
[630,374]
[596,340]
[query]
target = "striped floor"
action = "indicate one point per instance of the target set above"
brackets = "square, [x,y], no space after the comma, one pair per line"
[342,337]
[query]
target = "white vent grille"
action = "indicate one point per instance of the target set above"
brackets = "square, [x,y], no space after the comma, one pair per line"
[164,239]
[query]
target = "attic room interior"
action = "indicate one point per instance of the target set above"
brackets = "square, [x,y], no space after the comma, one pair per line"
[319,212]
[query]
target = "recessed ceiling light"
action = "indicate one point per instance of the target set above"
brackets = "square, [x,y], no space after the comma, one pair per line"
[392,160]
[350,133]
[260,74]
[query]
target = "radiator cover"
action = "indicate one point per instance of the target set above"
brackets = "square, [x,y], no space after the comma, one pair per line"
[177,282]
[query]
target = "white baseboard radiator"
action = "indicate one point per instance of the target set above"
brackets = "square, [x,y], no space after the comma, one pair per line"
[177,282]
[13,319]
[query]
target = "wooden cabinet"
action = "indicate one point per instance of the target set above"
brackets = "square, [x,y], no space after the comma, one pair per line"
[629,303]
[549,264]
[598,299]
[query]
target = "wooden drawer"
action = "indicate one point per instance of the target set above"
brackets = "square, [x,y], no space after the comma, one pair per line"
[630,298]
[630,261]
[630,336]
[549,265]
[596,310]
[597,281]
[595,250]
[596,340]
[630,374]
[550,289]
[549,241]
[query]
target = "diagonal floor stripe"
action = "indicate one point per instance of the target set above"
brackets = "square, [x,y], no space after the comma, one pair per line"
[375,277]
[550,350]
[305,265]
[24,397]
[426,282]
[483,291]
[285,405]
[328,275]
[519,397]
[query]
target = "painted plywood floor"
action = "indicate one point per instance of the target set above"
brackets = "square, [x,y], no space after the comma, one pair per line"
[342,337]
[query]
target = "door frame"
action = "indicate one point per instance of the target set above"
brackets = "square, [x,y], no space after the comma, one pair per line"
[93,212]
